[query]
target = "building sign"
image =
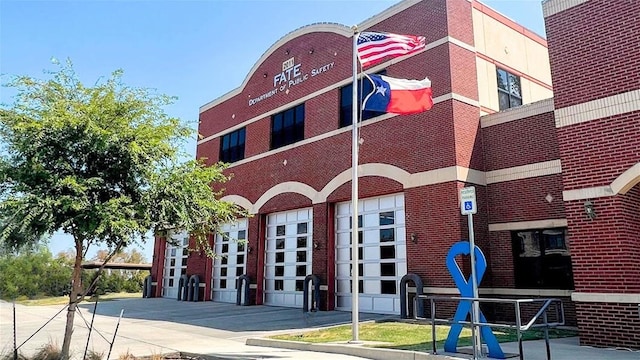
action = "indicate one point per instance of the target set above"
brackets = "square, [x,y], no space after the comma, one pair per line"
[292,74]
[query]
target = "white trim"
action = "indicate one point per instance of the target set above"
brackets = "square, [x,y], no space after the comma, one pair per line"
[598,109]
[499,291]
[587,193]
[552,7]
[299,32]
[286,187]
[328,134]
[461,44]
[524,172]
[606,298]
[471,176]
[623,183]
[526,225]
[517,113]
[626,180]
[320,27]
[238,200]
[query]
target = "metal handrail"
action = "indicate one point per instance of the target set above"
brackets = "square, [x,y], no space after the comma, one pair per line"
[542,312]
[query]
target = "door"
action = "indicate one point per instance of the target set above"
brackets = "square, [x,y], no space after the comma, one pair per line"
[287,256]
[382,253]
[230,261]
[175,264]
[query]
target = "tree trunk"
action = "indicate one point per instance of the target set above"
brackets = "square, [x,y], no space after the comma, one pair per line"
[74,298]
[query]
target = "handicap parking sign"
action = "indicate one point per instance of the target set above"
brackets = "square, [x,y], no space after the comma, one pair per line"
[468,205]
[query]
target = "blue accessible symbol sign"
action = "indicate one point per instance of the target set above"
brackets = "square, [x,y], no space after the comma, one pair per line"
[468,203]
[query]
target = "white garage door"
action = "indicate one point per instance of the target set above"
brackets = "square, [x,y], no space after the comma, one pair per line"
[230,261]
[175,264]
[287,256]
[382,253]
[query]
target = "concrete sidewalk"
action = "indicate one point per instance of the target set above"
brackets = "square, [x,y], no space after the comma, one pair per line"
[158,326]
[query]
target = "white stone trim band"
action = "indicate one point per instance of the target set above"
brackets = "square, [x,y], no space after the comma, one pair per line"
[497,291]
[623,183]
[524,172]
[606,298]
[517,113]
[598,109]
[526,225]
[587,193]
[307,29]
[552,7]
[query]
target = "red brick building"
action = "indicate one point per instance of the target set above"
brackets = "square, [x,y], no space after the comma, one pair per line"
[556,171]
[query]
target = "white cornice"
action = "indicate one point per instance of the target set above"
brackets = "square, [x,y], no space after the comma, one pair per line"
[520,112]
[524,172]
[598,109]
[320,27]
[336,28]
[526,225]
[552,7]
[606,298]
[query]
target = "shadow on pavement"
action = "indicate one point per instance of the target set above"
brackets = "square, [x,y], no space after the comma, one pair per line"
[225,316]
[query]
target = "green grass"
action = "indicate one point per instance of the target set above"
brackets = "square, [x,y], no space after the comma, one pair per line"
[62,300]
[408,336]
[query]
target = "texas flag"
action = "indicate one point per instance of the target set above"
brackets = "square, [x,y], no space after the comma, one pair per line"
[399,96]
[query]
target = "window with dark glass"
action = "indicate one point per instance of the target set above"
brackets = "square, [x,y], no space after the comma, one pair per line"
[346,100]
[542,259]
[232,146]
[287,127]
[509,90]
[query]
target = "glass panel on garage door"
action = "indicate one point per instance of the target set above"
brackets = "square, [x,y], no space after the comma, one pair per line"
[230,262]
[287,256]
[175,264]
[382,253]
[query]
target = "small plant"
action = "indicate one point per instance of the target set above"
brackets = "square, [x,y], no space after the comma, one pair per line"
[94,355]
[48,352]
[127,356]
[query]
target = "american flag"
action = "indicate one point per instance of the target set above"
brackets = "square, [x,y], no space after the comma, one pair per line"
[373,46]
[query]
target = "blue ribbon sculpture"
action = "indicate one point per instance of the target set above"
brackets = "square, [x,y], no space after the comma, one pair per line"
[464,307]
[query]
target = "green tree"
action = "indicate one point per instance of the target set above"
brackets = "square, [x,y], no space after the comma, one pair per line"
[101,163]
[33,273]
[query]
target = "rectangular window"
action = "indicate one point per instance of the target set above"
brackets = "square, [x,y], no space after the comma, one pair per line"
[232,146]
[287,127]
[509,90]
[346,101]
[542,259]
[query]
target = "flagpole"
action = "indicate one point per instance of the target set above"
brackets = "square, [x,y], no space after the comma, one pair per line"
[355,285]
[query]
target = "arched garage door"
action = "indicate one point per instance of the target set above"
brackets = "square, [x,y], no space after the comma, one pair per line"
[382,253]
[287,257]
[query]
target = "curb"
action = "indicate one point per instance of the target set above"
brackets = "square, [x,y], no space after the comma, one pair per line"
[349,349]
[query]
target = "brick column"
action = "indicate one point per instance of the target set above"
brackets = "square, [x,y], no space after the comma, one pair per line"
[597,113]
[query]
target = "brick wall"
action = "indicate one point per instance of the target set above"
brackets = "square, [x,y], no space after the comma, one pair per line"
[609,324]
[520,142]
[589,50]
[525,199]
[595,153]
[606,250]
[594,53]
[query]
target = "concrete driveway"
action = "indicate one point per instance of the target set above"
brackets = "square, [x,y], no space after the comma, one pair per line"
[154,326]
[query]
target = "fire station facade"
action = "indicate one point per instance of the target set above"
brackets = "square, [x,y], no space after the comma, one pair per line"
[556,171]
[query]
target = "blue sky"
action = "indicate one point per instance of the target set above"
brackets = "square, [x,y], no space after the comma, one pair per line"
[195,50]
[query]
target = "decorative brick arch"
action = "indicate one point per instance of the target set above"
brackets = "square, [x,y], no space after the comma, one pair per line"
[285,187]
[238,200]
[373,169]
[626,180]
[313,28]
